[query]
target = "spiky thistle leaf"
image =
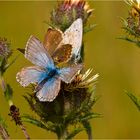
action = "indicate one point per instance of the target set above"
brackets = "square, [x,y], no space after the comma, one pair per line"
[89,28]
[74,133]
[8,93]
[38,123]
[11,63]
[134,98]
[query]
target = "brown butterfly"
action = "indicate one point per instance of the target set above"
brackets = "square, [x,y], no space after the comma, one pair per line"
[59,52]
[65,46]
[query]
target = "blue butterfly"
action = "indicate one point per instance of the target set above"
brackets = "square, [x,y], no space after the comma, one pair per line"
[47,76]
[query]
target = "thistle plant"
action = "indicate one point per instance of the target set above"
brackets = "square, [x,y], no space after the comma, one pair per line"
[65,111]
[131,25]
[5,53]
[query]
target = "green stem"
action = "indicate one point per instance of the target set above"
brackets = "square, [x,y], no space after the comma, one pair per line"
[2,82]
[4,134]
[87,126]
[3,86]
[24,132]
[62,133]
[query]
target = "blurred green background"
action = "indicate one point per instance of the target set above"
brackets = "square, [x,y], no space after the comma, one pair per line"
[117,62]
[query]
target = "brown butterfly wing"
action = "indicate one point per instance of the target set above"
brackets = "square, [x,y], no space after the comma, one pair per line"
[52,39]
[62,53]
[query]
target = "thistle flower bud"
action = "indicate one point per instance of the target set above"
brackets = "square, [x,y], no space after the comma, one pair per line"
[5,51]
[133,20]
[68,11]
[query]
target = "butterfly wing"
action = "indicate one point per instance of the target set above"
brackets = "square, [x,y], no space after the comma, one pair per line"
[62,54]
[50,90]
[29,75]
[52,39]
[37,54]
[73,36]
[69,73]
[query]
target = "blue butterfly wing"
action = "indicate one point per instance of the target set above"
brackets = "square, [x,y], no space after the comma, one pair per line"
[50,90]
[29,75]
[68,74]
[37,54]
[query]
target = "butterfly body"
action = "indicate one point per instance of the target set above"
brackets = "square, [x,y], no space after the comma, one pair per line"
[49,75]
[53,73]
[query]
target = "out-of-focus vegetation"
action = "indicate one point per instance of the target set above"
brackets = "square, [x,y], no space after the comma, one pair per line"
[131,26]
